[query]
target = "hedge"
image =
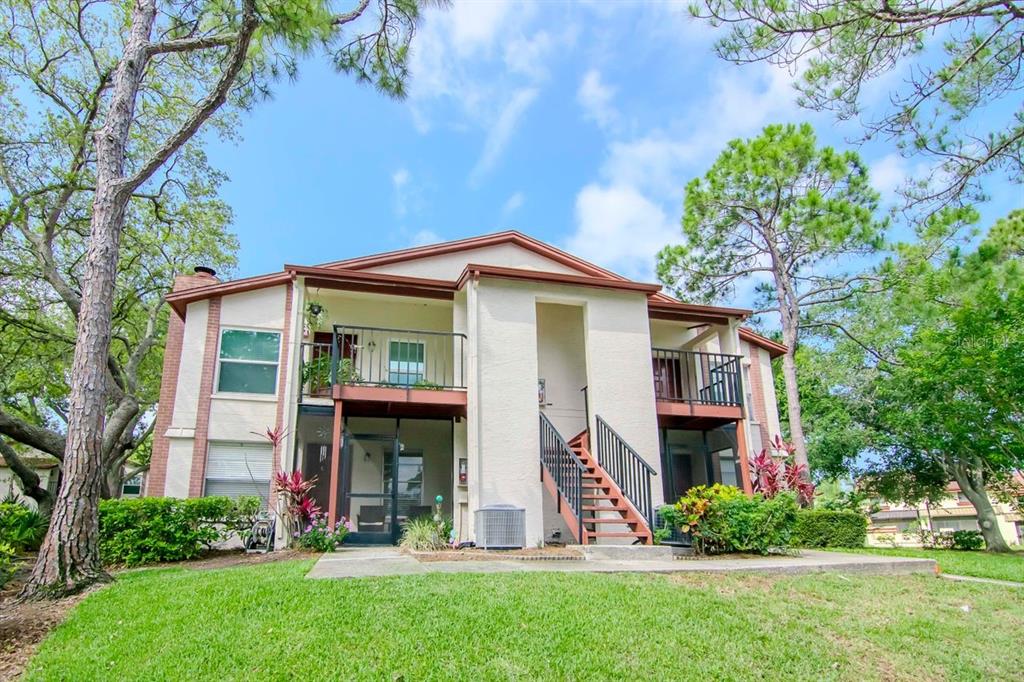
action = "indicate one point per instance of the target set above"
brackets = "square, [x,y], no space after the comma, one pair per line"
[154,529]
[826,528]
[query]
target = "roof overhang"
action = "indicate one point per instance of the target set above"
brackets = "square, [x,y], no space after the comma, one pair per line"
[474,270]
[660,307]
[179,300]
[774,348]
[374,282]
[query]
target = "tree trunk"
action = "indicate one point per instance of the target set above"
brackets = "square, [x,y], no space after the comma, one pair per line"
[69,558]
[973,487]
[29,480]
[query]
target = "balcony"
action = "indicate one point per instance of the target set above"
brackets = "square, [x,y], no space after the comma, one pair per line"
[692,383]
[386,365]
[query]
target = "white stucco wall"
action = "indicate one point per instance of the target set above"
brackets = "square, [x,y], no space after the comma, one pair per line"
[450,266]
[193,349]
[562,363]
[771,405]
[235,416]
[619,377]
[503,409]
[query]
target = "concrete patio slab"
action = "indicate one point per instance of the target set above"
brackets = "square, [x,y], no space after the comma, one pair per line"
[363,562]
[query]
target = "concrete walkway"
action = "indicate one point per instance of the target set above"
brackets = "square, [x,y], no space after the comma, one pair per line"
[363,562]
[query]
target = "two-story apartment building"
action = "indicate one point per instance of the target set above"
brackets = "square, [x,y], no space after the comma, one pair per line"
[491,370]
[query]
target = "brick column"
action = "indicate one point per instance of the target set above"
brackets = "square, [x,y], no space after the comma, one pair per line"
[282,369]
[157,477]
[757,391]
[197,475]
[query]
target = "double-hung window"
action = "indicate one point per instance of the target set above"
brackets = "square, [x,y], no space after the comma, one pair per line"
[405,362]
[248,361]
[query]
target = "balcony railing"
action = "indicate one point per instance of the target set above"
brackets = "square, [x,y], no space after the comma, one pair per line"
[385,357]
[697,378]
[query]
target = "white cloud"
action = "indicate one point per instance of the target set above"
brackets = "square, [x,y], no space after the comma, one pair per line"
[478,66]
[500,134]
[401,190]
[513,204]
[425,237]
[632,211]
[620,228]
[892,172]
[596,99]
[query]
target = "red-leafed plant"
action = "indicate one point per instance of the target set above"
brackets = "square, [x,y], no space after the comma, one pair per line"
[773,472]
[273,436]
[293,488]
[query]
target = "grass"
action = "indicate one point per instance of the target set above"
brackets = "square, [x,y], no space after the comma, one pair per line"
[269,622]
[979,564]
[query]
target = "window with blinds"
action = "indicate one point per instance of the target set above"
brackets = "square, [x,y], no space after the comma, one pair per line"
[239,470]
[248,361]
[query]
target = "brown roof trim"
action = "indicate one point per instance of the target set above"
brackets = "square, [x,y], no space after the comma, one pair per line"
[774,348]
[507,237]
[659,303]
[179,300]
[374,282]
[474,269]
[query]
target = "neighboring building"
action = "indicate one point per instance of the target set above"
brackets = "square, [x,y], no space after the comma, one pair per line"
[45,466]
[898,523]
[477,370]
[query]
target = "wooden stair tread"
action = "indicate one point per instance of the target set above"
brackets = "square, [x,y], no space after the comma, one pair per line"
[620,521]
[616,534]
[615,508]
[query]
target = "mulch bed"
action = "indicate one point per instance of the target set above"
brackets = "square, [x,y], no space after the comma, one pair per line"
[526,554]
[24,626]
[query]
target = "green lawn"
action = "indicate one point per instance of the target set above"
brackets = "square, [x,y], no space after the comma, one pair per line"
[269,622]
[978,564]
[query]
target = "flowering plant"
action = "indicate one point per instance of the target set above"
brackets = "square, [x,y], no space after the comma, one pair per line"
[318,536]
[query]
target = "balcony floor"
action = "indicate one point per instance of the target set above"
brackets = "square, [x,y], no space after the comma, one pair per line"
[695,415]
[401,402]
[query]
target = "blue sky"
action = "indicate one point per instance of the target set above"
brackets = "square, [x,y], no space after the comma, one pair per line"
[578,124]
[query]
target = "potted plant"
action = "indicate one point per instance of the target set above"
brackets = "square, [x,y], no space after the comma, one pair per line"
[315,314]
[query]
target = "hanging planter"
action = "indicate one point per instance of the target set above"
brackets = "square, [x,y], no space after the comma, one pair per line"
[314,315]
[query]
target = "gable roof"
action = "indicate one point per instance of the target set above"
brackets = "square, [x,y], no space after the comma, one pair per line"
[352,272]
[507,237]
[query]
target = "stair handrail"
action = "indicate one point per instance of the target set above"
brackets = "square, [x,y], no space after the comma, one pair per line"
[565,469]
[627,468]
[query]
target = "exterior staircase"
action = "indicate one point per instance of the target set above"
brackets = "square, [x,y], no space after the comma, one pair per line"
[605,510]
[588,498]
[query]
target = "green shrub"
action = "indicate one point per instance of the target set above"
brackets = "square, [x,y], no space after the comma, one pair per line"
[21,527]
[8,562]
[422,535]
[969,540]
[828,528]
[153,529]
[721,519]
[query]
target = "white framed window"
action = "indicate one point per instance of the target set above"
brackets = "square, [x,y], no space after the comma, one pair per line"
[248,360]
[406,362]
[239,470]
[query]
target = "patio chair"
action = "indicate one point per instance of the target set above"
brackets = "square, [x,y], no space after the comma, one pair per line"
[419,511]
[370,519]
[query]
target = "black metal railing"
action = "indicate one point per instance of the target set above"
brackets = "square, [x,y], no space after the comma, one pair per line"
[381,356]
[628,469]
[696,377]
[564,468]
[404,358]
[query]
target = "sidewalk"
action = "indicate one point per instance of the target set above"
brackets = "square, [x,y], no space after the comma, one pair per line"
[363,562]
